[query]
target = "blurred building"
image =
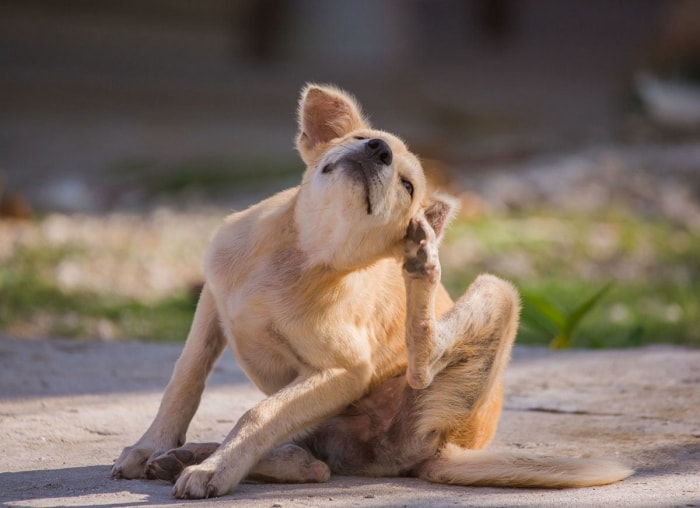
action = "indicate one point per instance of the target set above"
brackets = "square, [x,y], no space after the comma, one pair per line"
[88,88]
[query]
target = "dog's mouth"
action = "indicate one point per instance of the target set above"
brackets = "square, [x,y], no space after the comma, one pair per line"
[358,172]
[363,173]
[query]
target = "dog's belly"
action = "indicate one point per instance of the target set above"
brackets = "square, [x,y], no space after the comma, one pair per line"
[374,436]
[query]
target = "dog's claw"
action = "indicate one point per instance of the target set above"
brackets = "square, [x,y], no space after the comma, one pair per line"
[421,255]
[416,232]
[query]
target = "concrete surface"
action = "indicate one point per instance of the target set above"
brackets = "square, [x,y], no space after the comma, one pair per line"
[68,407]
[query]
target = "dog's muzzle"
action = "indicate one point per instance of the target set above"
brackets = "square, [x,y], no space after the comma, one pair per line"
[366,165]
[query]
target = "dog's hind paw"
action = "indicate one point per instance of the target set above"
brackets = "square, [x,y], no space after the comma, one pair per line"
[421,258]
[132,462]
[170,464]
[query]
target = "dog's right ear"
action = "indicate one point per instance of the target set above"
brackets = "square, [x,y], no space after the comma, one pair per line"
[440,211]
[326,113]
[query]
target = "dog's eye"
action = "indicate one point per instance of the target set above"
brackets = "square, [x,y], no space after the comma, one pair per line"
[408,186]
[360,137]
[327,168]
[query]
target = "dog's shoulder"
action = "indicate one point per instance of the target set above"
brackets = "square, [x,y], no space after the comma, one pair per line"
[251,235]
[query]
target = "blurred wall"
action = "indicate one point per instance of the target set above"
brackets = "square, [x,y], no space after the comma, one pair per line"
[87,87]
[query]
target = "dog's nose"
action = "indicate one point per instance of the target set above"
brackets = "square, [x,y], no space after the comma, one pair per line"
[379,151]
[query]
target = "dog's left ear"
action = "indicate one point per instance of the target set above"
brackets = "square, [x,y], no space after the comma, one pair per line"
[440,211]
[326,113]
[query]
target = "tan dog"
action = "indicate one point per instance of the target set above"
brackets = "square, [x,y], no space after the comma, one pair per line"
[330,296]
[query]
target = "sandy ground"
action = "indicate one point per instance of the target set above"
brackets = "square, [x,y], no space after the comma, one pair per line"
[68,407]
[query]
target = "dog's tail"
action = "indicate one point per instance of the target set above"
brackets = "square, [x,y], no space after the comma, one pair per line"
[459,466]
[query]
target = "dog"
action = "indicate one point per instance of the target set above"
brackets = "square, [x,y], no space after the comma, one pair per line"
[329,295]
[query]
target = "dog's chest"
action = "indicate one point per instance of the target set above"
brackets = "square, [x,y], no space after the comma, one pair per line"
[274,348]
[283,321]
[276,341]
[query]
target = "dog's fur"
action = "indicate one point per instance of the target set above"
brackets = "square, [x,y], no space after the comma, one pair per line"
[329,294]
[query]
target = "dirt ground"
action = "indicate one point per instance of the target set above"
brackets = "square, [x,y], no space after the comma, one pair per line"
[68,407]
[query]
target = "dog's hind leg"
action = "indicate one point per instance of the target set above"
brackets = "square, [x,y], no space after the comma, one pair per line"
[464,400]
[204,345]
[288,463]
[170,464]
[456,362]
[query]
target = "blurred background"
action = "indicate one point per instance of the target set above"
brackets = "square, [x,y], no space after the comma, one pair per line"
[570,130]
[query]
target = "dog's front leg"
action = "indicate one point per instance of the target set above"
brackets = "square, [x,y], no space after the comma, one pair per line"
[205,344]
[282,415]
[421,271]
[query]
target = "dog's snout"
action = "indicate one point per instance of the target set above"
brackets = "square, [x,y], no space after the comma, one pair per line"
[379,151]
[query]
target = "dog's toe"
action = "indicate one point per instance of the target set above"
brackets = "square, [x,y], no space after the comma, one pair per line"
[421,253]
[416,231]
[132,462]
[170,464]
[198,482]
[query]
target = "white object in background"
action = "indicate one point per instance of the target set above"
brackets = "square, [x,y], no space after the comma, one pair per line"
[671,102]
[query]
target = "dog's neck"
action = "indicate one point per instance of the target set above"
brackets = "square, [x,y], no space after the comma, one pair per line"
[327,239]
[326,285]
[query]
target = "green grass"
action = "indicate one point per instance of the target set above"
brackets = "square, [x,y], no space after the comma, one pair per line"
[630,314]
[31,300]
[540,314]
[652,268]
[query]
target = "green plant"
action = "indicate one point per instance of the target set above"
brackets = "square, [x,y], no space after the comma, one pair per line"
[557,324]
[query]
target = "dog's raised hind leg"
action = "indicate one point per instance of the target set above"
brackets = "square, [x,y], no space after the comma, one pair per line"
[421,272]
[457,360]
[204,345]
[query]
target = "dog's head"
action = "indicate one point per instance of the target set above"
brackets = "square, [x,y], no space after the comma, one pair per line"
[361,187]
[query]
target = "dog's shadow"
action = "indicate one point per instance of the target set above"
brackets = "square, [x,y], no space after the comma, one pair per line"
[78,486]
[93,486]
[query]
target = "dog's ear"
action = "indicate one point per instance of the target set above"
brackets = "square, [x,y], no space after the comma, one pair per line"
[440,211]
[326,113]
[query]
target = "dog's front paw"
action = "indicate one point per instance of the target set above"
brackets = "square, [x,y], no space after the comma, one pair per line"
[421,258]
[202,481]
